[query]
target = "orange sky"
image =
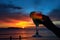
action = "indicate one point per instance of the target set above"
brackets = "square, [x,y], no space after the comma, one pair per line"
[17,23]
[26,23]
[16,20]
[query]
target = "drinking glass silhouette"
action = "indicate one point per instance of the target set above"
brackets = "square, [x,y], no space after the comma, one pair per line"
[37,18]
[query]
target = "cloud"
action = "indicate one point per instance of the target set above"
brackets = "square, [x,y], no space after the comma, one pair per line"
[9,6]
[55,14]
[16,16]
[5,15]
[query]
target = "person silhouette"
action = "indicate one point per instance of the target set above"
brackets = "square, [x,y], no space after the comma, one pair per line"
[45,20]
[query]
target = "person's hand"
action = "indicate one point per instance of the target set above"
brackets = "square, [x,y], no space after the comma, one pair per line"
[47,22]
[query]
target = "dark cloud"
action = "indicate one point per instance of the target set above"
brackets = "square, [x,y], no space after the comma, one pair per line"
[16,16]
[55,14]
[9,6]
[5,15]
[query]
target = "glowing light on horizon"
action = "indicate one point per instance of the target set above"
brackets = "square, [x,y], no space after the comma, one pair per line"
[56,22]
[24,24]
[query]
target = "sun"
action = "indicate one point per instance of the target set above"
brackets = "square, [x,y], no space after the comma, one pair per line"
[24,24]
[23,27]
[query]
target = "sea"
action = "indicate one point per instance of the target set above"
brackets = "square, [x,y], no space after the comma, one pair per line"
[26,34]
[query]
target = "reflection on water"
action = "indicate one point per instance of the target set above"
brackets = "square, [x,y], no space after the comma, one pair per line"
[26,34]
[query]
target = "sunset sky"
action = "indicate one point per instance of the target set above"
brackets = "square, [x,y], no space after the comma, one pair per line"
[15,13]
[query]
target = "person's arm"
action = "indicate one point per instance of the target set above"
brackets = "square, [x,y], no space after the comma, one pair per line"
[54,29]
[48,23]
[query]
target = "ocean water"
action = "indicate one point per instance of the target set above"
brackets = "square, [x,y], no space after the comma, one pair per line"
[26,34]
